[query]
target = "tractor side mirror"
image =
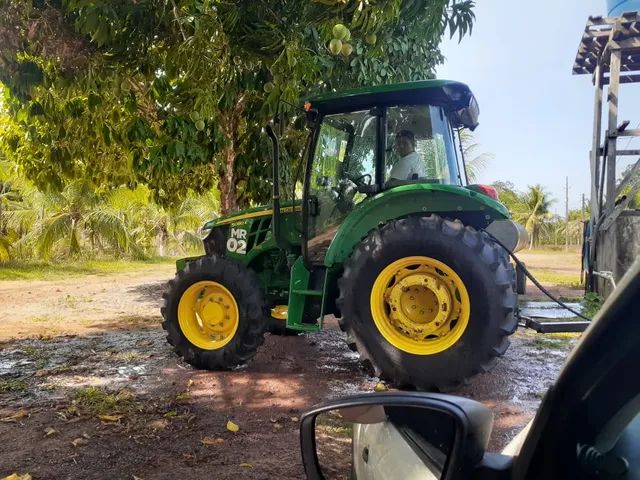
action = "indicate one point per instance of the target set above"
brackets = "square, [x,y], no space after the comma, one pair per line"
[395,435]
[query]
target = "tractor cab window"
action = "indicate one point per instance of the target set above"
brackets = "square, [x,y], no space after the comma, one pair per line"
[344,159]
[420,147]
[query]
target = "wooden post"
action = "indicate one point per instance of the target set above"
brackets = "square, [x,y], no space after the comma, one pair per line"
[595,159]
[612,132]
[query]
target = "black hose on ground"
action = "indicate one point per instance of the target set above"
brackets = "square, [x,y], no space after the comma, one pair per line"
[535,282]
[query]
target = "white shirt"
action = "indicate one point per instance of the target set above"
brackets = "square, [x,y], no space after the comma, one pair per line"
[408,166]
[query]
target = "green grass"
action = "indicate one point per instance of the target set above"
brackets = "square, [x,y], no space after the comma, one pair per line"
[96,401]
[13,385]
[36,355]
[557,278]
[592,303]
[34,270]
[552,340]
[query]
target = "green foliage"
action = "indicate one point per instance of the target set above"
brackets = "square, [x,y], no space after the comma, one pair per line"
[13,385]
[173,95]
[474,161]
[81,221]
[97,401]
[529,208]
[592,302]
[633,177]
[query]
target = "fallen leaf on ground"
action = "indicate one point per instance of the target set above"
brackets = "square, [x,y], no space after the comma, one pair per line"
[246,465]
[294,419]
[135,477]
[15,417]
[171,414]
[159,424]
[189,383]
[232,427]
[16,476]
[380,387]
[79,441]
[212,441]
[277,425]
[110,418]
[49,431]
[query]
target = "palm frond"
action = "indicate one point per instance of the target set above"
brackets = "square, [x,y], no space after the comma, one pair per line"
[58,228]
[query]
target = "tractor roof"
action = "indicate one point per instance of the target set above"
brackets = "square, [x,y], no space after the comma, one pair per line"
[453,96]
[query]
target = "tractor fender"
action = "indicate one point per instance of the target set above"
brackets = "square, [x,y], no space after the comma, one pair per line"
[449,201]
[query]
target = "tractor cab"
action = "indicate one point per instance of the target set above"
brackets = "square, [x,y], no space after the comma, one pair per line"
[367,141]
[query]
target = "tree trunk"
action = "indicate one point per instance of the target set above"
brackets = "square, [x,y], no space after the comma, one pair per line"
[231,123]
[226,181]
[533,234]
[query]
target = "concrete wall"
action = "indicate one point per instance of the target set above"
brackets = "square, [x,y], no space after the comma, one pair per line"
[618,248]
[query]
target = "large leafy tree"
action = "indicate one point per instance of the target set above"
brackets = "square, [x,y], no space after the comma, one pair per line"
[174,93]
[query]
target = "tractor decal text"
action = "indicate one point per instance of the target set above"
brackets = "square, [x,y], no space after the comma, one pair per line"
[237,243]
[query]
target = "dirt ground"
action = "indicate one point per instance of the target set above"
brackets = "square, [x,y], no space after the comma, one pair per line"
[164,419]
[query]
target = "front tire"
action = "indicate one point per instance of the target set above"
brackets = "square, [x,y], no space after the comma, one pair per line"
[427,302]
[213,313]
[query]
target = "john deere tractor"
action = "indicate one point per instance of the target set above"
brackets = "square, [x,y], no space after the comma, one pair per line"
[402,260]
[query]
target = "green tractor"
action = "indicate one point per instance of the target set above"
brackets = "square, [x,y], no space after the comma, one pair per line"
[384,234]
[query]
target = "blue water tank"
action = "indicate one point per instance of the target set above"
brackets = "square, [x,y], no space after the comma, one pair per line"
[616,8]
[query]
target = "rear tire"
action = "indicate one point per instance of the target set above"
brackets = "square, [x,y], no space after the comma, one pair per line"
[245,289]
[486,274]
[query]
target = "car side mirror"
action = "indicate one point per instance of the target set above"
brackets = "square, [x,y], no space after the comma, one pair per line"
[395,435]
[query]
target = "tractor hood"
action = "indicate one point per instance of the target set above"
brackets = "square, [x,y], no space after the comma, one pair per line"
[254,212]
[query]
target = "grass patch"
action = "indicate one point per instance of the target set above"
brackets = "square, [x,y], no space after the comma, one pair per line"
[131,356]
[46,318]
[551,250]
[31,270]
[96,401]
[592,303]
[553,340]
[13,385]
[36,355]
[557,278]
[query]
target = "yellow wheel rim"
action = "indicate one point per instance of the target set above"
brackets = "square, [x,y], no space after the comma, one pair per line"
[420,305]
[208,315]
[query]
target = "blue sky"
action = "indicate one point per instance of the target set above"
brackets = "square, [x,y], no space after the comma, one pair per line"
[535,116]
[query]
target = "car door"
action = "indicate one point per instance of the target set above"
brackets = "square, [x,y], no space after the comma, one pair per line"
[589,424]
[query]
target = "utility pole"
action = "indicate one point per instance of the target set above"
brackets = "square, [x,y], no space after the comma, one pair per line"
[566,209]
[582,214]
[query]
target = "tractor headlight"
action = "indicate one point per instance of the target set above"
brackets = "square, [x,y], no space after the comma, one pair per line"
[203,232]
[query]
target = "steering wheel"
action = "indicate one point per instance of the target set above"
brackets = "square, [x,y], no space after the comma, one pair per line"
[359,181]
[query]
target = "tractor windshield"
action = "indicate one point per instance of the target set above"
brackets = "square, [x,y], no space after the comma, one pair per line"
[420,147]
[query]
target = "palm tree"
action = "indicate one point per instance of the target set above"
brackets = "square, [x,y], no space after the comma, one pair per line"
[77,214]
[532,211]
[474,162]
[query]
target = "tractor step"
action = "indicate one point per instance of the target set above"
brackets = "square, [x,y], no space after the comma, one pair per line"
[311,293]
[554,327]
